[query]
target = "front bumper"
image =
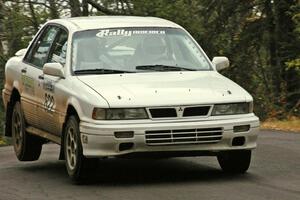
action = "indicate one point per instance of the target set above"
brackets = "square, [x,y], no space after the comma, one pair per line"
[98,140]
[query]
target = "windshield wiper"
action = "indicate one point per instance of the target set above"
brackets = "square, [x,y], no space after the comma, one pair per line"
[163,68]
[101,71]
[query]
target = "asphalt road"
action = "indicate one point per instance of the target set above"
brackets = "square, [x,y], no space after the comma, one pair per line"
[274,174]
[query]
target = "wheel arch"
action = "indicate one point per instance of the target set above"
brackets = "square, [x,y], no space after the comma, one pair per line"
[15,96]
[71,110]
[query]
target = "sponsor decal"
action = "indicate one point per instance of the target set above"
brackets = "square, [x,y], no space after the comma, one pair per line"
[48,86]
[28,84]
[128,33]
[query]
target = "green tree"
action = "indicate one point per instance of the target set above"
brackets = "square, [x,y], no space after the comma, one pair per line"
[261,37]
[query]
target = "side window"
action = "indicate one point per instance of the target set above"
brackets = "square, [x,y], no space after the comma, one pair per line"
[38,55]
[59,49]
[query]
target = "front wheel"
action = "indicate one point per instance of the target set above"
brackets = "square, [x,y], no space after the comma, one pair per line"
[79,167]
[237,162]
[27,147]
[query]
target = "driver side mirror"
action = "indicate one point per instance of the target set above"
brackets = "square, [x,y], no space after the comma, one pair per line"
[54,69]
[220,62]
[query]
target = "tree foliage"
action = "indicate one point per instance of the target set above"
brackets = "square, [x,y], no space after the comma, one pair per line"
[261,37]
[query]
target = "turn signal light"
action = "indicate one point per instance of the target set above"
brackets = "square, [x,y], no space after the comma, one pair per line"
[124,134]
[241,128]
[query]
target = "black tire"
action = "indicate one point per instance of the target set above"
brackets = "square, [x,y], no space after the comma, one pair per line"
[236,162]
[27,147]
[79,167]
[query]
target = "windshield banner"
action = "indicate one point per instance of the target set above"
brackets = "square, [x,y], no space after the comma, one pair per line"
[123,32]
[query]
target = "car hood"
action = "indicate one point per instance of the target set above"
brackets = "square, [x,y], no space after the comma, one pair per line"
[165,88]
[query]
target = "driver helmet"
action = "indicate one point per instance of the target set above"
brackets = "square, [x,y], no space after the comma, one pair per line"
[154,45]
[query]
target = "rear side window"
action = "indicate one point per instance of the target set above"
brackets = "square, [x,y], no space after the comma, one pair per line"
[39,53]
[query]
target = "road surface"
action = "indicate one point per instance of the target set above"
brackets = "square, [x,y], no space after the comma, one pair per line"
[274,174]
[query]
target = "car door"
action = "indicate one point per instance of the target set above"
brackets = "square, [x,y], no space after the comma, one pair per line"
[31,70]
[50,96]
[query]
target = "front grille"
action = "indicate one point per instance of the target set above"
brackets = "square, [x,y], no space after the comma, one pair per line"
[183,136]
[179,112]
[196,111]
[163,112]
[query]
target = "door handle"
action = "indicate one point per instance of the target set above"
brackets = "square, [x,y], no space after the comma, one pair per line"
[41,77]
[24,70]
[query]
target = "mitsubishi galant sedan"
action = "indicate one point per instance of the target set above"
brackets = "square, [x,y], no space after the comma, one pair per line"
[103,87]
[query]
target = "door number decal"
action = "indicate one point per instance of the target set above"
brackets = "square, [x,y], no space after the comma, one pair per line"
[49,102]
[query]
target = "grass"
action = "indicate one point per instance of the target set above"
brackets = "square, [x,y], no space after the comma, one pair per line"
[291,124]
[2,141]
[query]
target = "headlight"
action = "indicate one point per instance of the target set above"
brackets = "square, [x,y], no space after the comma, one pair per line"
[232,108]
[119,113]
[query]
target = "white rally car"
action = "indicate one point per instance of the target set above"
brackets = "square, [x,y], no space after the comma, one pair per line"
[124,86]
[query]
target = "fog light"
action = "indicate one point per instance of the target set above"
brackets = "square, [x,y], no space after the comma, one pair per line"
[238,141]
[124,134]
[242,128]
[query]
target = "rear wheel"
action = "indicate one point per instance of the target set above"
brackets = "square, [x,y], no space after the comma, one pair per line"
[79,167]
[27,147]
[235,161]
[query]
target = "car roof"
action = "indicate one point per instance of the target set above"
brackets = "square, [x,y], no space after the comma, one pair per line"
[97,22]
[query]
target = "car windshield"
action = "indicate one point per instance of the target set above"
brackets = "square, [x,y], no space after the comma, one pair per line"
[122,50]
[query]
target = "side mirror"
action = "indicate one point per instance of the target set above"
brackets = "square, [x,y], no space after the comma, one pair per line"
[54,69]
[221,62]
[21,52]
